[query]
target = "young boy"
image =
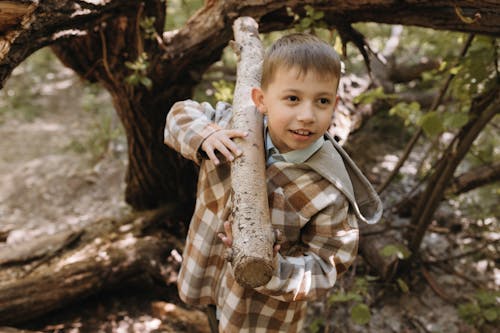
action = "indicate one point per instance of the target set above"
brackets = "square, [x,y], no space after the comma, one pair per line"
[316,193]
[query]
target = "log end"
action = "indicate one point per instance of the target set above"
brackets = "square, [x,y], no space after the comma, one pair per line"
[253,272]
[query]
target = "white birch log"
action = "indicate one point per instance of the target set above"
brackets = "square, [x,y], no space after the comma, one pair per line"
[253,238]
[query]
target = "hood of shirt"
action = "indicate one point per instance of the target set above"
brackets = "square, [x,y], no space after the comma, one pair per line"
[342,172]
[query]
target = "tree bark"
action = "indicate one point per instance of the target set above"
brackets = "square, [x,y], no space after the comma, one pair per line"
[252,250]
[156,175]
[371,244]
[477,177]
[99,256]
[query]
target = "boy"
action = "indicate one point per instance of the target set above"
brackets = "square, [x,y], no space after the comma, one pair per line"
[316,194]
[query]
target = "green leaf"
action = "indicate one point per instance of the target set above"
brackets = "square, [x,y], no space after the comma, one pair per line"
[131,65]
[395,249]
[344,297]
[317,325]
[487,298]
[469,311]
[370,96]
[306,22]
[431,123]
[146,82]
[490,314]
[442,65]
[403,286]
[318,15]
[132,79]
[370,278]
[455,120]
[455,70]
[360,314]
[309,10]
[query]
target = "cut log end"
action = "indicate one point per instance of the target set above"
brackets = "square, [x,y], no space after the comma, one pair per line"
[253,272]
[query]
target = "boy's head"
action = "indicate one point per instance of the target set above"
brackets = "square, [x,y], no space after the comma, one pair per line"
[304,51]
[298,90]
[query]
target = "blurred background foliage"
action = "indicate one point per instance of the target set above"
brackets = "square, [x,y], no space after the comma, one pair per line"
[26,97]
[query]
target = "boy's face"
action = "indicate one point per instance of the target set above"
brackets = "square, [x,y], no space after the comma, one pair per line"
[299,109]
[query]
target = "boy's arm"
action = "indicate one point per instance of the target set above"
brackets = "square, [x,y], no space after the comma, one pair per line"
[331,240]
[189,123]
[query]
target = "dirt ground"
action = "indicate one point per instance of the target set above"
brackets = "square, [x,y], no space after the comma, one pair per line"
[46,184]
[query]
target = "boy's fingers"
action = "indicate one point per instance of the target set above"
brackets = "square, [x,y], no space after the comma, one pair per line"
[233,147]
[211,156]
[223,238]
[278,236]
[229,233]
[221,147]
[276,249]
[236,133]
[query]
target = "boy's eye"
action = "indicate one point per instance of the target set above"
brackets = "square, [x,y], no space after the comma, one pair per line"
[292,98]
[324,101]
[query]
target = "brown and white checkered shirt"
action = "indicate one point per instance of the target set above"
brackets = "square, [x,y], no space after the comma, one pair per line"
[320,232]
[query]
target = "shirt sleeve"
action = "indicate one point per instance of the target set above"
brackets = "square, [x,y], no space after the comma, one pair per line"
[330,242]
[189,123]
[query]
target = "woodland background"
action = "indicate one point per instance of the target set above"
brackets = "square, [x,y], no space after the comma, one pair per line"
[94,209]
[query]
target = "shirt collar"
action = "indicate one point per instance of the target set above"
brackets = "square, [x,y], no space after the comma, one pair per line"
[295,156]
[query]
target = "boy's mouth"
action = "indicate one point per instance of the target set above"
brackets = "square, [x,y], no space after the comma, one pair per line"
[302,132]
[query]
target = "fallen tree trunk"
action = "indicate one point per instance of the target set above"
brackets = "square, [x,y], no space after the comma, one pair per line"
[253,239]
[83,262]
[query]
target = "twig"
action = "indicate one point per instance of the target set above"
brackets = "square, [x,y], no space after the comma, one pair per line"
[105,55]
[495,57]
[417,323]
[435,286]
[140,46]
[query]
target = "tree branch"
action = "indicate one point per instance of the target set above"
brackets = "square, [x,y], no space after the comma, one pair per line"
[477,177]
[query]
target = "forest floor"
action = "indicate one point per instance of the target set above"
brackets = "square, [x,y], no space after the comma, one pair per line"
[63,165]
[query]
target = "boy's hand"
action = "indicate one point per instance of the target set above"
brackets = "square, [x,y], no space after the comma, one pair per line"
[227,238]
[222,142]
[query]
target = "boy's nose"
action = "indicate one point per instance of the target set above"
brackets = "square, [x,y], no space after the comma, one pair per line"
[306,114]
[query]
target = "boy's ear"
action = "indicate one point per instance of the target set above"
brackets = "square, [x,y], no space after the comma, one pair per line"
[258,100]
[336,102]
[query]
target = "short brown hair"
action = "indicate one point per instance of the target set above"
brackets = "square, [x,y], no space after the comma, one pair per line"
[300,50]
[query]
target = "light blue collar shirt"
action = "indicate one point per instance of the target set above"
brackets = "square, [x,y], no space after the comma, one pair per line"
[295,156]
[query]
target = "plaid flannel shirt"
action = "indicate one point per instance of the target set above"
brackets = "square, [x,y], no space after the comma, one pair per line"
[320,233]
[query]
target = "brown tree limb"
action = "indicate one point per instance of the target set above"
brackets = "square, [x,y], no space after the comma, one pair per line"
[12,13]
[59,18]
[474,178]
[107,252]
[401,73]
[5,329]
[253,240]
[467,181]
